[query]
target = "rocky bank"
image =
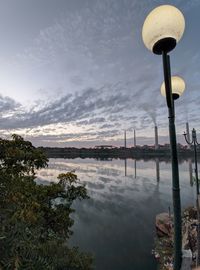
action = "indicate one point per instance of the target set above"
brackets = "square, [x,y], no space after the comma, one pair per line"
[164,237]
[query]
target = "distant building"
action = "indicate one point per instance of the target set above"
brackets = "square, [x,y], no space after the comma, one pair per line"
[105,146]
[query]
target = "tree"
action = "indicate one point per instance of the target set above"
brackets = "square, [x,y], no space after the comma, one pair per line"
[35,219]
[19,157]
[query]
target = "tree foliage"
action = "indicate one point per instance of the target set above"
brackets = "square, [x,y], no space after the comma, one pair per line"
[35,219]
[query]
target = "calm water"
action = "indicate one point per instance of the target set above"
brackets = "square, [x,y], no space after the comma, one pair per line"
[117,223]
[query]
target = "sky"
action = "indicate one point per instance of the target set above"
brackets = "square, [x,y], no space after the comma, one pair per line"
[75,73]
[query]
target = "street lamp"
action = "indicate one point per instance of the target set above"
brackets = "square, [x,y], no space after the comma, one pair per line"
[177,86]
[162,30]
[195,143]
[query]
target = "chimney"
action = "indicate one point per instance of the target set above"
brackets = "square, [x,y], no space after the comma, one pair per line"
[188,131]
[124,138]
[134,138]
[156,137]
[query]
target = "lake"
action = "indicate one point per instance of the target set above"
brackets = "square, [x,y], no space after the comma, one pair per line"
[117,223]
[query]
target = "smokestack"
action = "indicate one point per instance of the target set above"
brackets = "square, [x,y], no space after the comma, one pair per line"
[124,138]
[134,138]
[188,131]
[156,137]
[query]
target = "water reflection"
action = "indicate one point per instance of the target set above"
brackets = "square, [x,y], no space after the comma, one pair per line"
[125,166]
[117,223]
[157,170]
[135,168]
[190,171]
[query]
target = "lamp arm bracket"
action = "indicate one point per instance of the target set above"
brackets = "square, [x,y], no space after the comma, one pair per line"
[187,141]
[197,142]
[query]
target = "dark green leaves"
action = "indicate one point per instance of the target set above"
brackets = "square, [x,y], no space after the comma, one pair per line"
[35,219]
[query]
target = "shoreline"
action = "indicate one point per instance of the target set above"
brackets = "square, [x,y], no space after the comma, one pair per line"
[122,153]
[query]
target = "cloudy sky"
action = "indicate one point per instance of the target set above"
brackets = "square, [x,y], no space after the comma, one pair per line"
[76,72]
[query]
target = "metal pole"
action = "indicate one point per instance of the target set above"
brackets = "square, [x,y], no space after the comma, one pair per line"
[175,170]
[196,168]
[197,203]
[198,234]
[194,141]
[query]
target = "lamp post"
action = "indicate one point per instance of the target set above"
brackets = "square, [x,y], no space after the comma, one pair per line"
[177,89]
[195,143]
[162,29]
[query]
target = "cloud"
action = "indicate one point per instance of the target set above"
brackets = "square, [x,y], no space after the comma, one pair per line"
[88,110]
[102,78]
[8,104]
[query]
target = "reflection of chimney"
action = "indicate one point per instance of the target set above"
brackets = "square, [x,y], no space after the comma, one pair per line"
[188,133]
[156,137]
[134,138]
[135,169]
[125,166]
[125,138]
[157,170]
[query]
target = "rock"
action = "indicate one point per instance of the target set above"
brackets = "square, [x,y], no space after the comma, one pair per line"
[186,259]
[164,242]
[191,212]
[163,225]
[193,238]
[185,238]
